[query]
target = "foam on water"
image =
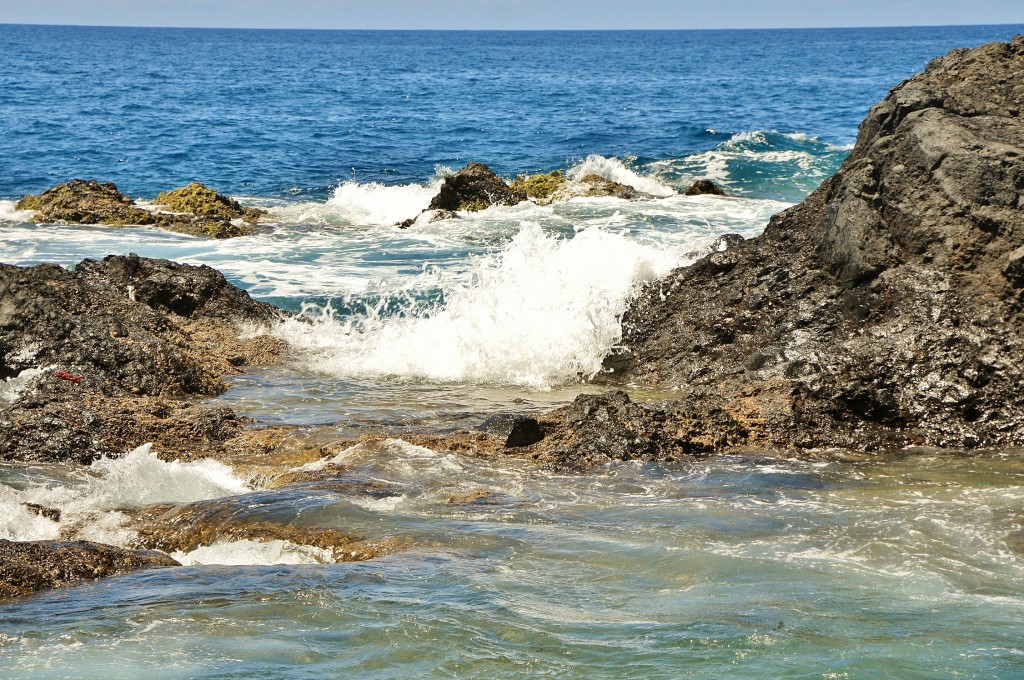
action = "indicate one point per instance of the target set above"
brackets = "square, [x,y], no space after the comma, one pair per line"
[246,552]
[769,163]
[8,213]
[542,311]
[615,170]
[90,501]
[357,204]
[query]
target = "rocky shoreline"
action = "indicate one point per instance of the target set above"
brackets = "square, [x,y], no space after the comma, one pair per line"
[885,311]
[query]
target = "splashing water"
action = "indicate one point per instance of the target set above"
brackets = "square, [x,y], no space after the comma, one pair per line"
[540,312]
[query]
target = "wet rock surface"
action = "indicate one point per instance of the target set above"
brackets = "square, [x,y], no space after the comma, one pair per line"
[30,566]
[106,353]
[883,311]
[475,187]
[196,209]
[705,187]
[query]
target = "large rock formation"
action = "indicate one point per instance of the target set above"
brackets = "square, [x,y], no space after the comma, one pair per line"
[886,309]
[106,351]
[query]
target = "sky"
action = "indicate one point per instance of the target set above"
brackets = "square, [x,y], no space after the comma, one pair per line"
[512,14]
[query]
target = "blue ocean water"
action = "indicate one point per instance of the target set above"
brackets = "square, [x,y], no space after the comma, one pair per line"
[732,566]
[285,113]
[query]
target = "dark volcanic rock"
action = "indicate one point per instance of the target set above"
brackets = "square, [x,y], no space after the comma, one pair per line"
[475,187]
[704,187]
[886,309]
[515,429]
[28,567]
[110,342]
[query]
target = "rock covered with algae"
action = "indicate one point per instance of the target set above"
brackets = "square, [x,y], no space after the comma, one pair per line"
[195,209]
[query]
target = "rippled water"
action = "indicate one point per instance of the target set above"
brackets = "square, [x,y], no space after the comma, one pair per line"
[746,567]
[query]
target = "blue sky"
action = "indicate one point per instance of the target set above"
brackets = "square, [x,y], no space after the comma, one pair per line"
[512,14]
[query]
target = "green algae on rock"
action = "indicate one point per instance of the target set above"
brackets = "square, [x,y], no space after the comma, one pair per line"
[197,210]
[201,201]
[540,186]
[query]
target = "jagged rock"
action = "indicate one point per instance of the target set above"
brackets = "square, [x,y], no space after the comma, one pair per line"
[202,211]
[111,342]
[474,187]
[31,566]
[705,187]
[886,309]
[428,217]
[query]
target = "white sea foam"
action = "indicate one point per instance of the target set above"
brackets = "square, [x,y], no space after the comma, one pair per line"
[90,502]
[246,552]
[616,170]
[8,213]
[542,311]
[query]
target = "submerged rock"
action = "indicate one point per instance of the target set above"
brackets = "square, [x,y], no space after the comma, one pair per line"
[475,187]
[106,350]
[886,309]
[199,210]
[31,566]
[705,187]
[184,528]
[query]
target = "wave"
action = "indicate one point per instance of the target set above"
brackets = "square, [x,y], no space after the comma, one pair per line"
[91,501]
[617,171]
[543,311]
[782,166]
[355,204]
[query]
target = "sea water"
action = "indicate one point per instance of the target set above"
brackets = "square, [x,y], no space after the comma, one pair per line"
[746,567]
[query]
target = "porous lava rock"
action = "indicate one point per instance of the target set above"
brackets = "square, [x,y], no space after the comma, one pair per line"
[106,353]
[885,310]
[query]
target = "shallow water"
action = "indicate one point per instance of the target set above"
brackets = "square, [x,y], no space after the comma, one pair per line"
[909,567]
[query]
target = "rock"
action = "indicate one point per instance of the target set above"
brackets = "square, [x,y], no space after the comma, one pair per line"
[540,187]
[475,187]
[112,344]
[198,200]
[183,528]
[28,567]
[201,211]
[514,429]
[600,186]
[886,309]
[705,187]
[428,217]
[86,201]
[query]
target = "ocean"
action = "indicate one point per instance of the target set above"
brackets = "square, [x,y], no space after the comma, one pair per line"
[741,566]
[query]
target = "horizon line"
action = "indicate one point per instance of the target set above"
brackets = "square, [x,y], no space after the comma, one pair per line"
[508,30]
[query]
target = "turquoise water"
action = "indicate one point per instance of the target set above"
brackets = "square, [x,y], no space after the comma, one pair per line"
[746,567]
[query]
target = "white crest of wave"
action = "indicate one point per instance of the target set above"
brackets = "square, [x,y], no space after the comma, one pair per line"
[370,204]
[8,213]
[91,501]
[616,170]
[247,552]
[541,312]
